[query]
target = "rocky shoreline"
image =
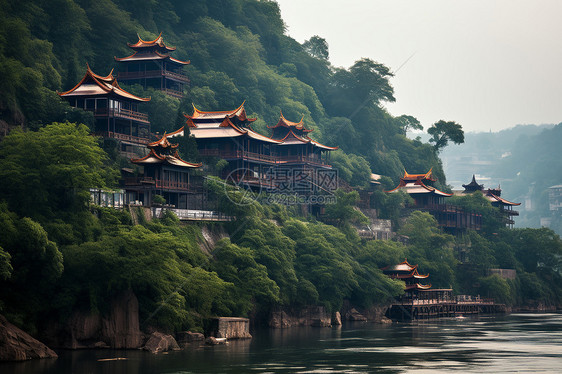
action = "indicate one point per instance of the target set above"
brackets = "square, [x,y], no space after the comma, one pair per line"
[120,329]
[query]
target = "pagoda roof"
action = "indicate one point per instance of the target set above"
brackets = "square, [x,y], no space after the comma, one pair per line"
[291,139]
[283,122]
[155,55]
[93,84]
[417,286]
[412,177]
[418,187]
[158,42]
[473,185]
[496,199]
[239,113]
[163,142]
[403,266]
[174,160]
[225,129]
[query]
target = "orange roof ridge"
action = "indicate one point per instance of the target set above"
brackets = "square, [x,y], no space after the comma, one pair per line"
[199,112]
[295,136]
[151,153]
[92,75]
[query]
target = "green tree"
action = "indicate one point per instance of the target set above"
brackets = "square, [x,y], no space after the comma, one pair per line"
[444,131]
[52,169]
[407,122]
[317,47]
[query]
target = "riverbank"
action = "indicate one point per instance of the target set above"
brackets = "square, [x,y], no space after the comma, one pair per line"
[517,342]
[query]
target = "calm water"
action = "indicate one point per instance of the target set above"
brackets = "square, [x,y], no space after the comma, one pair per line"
[526,343]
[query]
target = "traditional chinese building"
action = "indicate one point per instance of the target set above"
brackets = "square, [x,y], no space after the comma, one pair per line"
[151,65]
[494,196]
[164,173]
[288,161]
[116,111]
[430,199]
[409,274]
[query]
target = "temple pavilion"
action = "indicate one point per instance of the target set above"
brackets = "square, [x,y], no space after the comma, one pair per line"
[493,195]
[116,111]
[430,199]
[285,162]
[164,173]
[151,65]
[409,274]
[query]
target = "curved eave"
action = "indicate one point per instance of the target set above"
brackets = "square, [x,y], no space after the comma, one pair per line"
[419,188]
[493,198]
[219,114]
[159,41]
[428,176]
[150,155]
[403,266]
[162,142]
[417,286]
[323,146]
[89,74]
[148,57]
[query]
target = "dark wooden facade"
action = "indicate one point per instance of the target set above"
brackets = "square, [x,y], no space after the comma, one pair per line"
[116,111]
[152,66]
[164,173]
[288,161]
[427,198]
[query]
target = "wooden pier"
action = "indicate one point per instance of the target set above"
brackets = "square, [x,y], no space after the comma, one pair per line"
[439,303]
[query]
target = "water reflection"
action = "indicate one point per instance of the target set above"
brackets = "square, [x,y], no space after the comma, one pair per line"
[519,342]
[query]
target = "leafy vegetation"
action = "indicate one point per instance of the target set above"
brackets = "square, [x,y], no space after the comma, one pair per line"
[58,254]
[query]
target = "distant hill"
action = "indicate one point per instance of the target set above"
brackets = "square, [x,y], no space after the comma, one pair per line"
[523,160]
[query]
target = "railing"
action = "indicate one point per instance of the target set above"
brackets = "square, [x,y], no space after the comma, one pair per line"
[453,216]
[152,74]
[178,76]
[157,183]
[273,159]
[196,215]
[121,113]
[126,137]
[174,93]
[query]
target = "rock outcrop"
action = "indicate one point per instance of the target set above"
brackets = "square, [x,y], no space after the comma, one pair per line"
[17,345]
[310,316]
[187,337]
[336,319]
[354,315]
[230,328]
[159,342]
[119,328]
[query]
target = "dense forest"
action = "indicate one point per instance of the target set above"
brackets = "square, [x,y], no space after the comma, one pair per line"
[58,254]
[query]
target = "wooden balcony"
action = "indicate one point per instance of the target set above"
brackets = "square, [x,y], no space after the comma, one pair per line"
[173,93]
[258,157]
[125,137]
[157,183]
[122,113]
[451,216]
[153,74]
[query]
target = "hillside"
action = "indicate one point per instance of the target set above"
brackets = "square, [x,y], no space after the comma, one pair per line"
[238,51]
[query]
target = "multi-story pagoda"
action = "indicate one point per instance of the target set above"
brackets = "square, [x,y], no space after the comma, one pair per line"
[164,173]
[152,66]
[409,274]
[493,195]
[115,110]
[430,199]
[257,160]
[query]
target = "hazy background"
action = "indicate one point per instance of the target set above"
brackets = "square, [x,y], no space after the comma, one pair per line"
[487,65]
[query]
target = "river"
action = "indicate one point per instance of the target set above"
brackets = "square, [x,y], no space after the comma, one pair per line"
[526,343]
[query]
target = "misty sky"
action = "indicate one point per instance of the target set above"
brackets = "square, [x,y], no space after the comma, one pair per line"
[486,64]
